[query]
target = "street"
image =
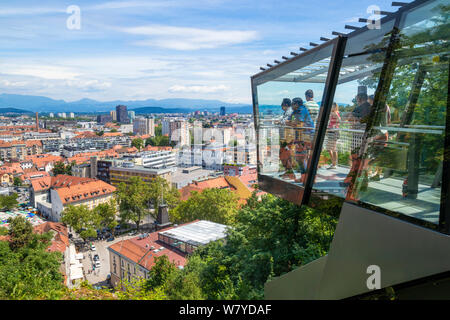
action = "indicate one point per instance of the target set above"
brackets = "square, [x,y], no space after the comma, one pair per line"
[98,277]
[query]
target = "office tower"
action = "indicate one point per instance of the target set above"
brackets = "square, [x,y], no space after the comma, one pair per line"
[51,115]
[131,116]
[72,115]
[122,114]
[37,121]
[104,118]
[222,111]
[113,115]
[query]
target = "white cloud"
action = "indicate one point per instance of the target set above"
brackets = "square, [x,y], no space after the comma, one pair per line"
[354,19]
[30,11]
[88,84]
[130,4]
[44,72]
[197,89]
[181,38]
[8,83]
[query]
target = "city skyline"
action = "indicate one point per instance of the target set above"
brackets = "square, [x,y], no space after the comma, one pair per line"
[138,50]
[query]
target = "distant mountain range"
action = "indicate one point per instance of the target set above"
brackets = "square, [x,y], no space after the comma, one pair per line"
[26,103]
[13,111]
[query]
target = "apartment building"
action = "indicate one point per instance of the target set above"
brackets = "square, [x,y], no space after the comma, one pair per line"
[19,149]
[123,171]
[179,132]
[52,194]
[144,126]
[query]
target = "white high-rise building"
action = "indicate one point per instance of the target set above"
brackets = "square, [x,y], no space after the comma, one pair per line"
[72,115]
[166,126]
[51,115]
[179,132]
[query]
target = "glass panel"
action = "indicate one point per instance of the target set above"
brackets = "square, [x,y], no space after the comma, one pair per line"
[358,79]
[401,166]
[289,106]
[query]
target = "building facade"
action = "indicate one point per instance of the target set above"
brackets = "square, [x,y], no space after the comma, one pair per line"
[122,114]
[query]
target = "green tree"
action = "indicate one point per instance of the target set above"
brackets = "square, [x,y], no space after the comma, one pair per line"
[106,215]
[100,133]
[217,205]
[161,273]
[17,181]
[8,202]
[60,168]
[138,143]
[158,130]
[113,130]
[30,271]
[133,200]
[158,141]
[82,220]
[159,187]
[20,232]
[269,238]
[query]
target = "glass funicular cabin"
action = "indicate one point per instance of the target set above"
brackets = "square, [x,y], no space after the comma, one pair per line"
[363,119]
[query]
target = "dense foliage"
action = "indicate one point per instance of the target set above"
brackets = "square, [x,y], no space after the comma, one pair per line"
[27,270]
[60,168]
[269,238]
[86,222]
[216,205]
[138,143]
[8,202]
[135,198]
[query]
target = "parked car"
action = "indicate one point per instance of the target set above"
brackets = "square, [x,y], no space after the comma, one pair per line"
[110,239]
[96,257]
[97,264]
[93,247]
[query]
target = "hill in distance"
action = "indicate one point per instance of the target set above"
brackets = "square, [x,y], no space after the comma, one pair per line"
[14,111]
[45,104]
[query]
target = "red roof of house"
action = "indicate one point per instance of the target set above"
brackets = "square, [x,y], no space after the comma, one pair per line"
[61,180]
[138,250]
[84,190]
[157,148]
[220,183]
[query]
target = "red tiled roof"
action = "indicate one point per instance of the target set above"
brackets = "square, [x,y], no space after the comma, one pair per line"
[161,148]
[61,180]
[86,134]
[60,241]
[199,186]
[112,134]
[138,250]
[84,190]
[31,175]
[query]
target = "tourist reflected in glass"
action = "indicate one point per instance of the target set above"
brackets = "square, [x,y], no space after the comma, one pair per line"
[304,130]
[333,135]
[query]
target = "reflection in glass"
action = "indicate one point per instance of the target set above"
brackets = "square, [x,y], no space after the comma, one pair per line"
[288,113]
[339,161]
[403,159]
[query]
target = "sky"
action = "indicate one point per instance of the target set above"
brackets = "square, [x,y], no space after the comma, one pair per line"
[157,49]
